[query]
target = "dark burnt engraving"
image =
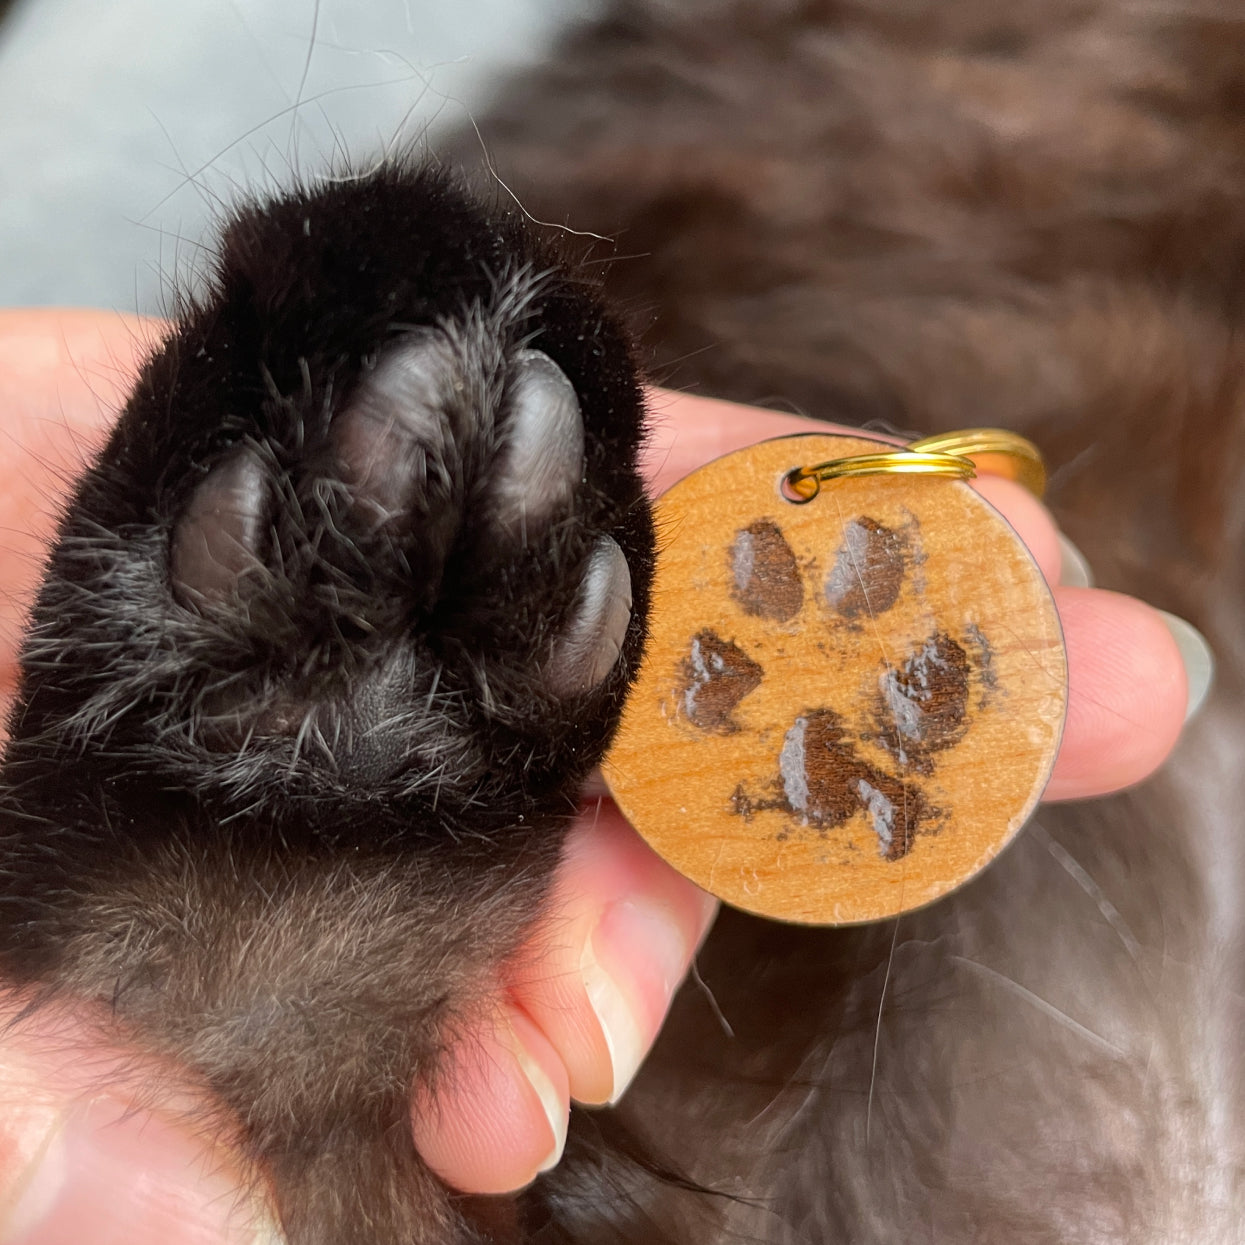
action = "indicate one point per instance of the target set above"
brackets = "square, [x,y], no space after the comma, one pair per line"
[716,675]
[823,782]
[767,582]
[922,705]
[869,569]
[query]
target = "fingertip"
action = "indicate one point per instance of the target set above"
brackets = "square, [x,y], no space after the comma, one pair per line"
[497,1115]
[1074,568]
[1128,693]
[636,959]
[599,975]
[1197,657]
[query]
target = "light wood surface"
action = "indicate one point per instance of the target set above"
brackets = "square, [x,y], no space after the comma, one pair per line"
[848,707]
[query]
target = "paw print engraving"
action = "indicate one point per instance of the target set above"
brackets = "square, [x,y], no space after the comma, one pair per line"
[836,767]
[848,706]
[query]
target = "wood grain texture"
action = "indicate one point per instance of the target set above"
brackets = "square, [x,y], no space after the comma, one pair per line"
[848,707]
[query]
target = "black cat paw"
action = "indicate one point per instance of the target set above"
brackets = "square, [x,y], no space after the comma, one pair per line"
[331,634]
[401,553]
[392,554]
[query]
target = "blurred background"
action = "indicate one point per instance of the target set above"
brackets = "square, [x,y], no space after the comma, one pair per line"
[124,126]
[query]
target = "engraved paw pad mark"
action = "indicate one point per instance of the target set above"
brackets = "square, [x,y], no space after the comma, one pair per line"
[832,768]
[717,675]
[427,496]
[869,569]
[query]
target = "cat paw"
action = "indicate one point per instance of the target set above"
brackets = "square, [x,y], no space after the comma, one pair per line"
[402,553]
[421,574]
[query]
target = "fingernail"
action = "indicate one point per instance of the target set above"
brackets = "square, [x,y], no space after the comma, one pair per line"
[1074,569]
[107,1172]
[550,1102]
[1199,661]
[631,968]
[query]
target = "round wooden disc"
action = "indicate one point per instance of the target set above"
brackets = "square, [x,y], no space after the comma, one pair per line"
[847,707]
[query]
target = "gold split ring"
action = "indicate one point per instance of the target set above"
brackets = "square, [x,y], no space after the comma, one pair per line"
[952,455]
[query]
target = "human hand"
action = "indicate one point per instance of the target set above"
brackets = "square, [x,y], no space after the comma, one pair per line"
[578,1009]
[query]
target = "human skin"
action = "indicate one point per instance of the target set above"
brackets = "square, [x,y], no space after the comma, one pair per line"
[576,1011]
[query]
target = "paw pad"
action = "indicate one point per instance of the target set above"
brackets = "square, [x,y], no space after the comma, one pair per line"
[219,536]
[425,543]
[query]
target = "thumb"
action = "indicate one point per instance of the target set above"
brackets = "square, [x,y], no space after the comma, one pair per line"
[82,1160]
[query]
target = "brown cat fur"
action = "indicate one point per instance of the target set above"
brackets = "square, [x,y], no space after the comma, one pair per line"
[936,215]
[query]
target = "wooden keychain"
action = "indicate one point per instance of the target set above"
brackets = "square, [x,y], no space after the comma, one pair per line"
[855,682]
